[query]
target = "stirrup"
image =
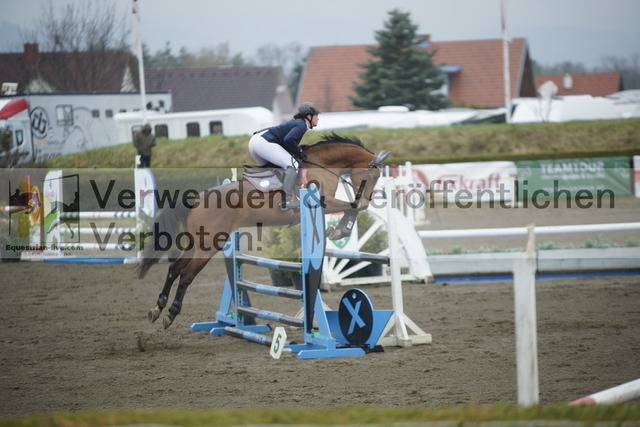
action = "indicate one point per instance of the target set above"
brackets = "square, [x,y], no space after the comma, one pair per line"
[290,205]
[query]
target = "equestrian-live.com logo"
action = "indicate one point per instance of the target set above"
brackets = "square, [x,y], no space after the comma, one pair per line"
[25,209]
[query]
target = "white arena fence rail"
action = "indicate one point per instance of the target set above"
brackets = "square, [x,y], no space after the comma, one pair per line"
[574,260]
[522,231]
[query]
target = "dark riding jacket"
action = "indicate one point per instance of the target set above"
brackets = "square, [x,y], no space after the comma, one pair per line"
[288,135]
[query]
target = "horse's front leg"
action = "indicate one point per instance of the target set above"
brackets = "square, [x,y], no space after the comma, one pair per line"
[332,205]
[172,274]
[344,227]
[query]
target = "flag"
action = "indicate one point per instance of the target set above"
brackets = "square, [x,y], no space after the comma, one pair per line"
[506,39]
[506,36]
[135,26]
[137,49]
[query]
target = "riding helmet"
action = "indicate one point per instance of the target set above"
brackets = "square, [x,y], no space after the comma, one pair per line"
[308,108]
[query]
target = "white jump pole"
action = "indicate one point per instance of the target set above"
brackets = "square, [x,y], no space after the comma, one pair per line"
[617,394]
[524,287]
[403,331]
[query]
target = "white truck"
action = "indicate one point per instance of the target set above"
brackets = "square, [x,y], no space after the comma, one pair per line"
[35,128]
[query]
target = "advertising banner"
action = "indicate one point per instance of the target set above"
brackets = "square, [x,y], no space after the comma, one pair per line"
[468,182]
[592,178]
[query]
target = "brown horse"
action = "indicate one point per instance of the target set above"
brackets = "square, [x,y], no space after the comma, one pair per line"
[203,226]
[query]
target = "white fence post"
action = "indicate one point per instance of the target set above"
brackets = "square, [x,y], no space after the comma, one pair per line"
[524,271]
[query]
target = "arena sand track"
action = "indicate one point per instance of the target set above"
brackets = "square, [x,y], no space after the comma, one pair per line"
[76,337]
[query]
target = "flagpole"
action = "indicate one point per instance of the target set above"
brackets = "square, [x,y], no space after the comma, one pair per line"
[137,46]
[506,39]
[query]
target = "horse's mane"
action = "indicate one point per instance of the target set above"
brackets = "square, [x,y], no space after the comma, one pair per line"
[334,138]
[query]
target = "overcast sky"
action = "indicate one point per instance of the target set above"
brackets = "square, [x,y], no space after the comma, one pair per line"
[557,30]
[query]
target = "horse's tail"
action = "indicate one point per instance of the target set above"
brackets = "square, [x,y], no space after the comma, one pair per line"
[166,227]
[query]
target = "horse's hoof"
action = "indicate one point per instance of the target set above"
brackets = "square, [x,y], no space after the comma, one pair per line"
[334,234]
[166,322]
[154,315]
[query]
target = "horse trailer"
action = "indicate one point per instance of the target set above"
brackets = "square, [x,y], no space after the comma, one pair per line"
[229,122]
[38,127]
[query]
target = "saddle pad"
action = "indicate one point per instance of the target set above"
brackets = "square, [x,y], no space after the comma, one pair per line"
[265,184]
[263,178]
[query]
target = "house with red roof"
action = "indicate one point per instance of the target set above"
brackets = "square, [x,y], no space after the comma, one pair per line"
[594,84]
[474,72]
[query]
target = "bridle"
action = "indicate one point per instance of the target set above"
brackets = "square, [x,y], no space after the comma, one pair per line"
[375,165]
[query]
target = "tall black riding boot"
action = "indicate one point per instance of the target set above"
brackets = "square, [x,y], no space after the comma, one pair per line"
[288,186]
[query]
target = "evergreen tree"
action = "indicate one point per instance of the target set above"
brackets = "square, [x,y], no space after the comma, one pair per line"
[401,73]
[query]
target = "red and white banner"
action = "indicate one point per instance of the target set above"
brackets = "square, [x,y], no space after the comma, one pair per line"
[478,181]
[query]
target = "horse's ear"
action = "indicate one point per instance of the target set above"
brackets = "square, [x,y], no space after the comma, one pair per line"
[381,157]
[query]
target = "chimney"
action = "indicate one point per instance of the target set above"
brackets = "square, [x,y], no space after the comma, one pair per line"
[567,82]
[31,54]
[423,40]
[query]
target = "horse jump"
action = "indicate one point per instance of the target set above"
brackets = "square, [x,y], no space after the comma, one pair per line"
[236,316]
[64,219]
[618,394]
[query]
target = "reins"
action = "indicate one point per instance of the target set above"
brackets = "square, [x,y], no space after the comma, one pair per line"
[340,178]
[357,191]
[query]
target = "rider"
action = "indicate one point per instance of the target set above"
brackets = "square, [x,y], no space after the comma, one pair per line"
[279,145]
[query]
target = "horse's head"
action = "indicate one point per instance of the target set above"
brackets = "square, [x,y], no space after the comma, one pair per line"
[347,156]
[365,180]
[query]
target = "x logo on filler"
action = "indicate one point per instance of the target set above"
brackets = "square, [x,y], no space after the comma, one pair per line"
[355,317]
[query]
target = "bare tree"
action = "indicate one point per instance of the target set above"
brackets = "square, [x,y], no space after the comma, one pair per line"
[208,57]
[86,46]
[560,68]
[287,56]
[629,69]
[290,57]
[211,57]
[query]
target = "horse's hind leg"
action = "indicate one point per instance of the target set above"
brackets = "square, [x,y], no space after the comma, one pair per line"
[172,274]
[186,277]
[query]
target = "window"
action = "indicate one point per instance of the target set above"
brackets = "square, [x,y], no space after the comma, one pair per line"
[64,115]
[19,137]
[8,137]
[162,131]
[215,128]
[108,113]
[5,139]
[193,129]
[95,113]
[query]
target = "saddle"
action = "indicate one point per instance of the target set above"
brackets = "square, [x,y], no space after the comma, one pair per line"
[264,178]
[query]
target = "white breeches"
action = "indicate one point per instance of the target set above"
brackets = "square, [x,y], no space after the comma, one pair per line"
[264,151]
